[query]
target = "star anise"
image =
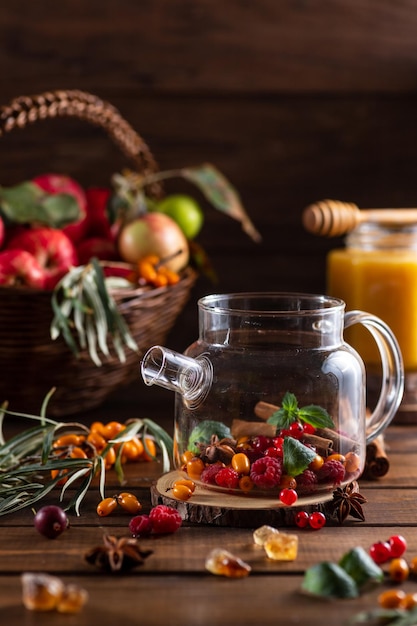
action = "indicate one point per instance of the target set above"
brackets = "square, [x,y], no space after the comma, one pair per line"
[117,554]
[218,450]
[347,501]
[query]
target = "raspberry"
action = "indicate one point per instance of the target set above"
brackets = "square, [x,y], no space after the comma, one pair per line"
[208,474]
[227,477]
[164,519]
[307,481]
[140,525]
[331,472]
[266,472]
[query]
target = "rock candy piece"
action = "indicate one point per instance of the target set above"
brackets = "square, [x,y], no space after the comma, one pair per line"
[72,599]
[223,563]
[282,547]
[41,592]
[263,533]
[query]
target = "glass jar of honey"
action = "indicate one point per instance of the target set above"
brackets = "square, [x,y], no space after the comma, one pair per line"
[376,271]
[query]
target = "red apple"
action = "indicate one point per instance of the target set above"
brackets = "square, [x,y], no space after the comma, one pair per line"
[99,247]
[154,233]
[2,233]
[19,267]
[98,224]
[51,247]
[59,183]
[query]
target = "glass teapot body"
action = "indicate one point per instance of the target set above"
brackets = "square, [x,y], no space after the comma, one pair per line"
[270,397]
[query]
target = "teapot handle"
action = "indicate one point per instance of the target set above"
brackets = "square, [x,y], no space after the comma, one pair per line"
[392,386]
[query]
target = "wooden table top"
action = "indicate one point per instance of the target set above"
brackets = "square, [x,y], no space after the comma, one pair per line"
[173,587]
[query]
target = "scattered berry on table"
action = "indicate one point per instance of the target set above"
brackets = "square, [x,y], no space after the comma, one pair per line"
[317,520]
[398,545]
[164,519]
[302,519]
[380,552]
[398,570]
[140,525]
[50,521]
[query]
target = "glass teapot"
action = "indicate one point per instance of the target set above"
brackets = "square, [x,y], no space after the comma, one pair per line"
[270,397]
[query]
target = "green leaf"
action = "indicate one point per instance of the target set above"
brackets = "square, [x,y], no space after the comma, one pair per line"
[297,456]
[27,203]
[219,191]
[329,580]
[287,414]
[361,567]
[316,416]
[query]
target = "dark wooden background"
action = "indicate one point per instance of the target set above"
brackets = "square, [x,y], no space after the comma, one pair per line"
[293,100]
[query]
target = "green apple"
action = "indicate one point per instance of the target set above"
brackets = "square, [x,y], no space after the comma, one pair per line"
[185,211]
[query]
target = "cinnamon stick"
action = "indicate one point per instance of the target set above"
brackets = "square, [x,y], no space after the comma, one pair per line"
[242,428]
[264,410]
[376,459]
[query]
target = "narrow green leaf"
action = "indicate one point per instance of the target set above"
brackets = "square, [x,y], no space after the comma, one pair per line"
[224,197]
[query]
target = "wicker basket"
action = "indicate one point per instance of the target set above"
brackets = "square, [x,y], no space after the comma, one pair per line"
[30,362]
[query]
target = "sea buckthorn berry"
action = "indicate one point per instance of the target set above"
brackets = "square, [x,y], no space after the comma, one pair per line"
[413,566]
[302,519]
[71,439]
[409,602]
[111,429]
[241,463]
[187,482]
[77,453]
[246,484]
[288,482]
[109,458]
[391,598]
[380,552]
[398,545]
[288,496]
[316,463]
[194,468]
[181,492]
[129,502]
[352,462]
[97,440]
[149,451]
[398,570]
[316,520]
[186,456]
[97,427]
[336,457]
[106,506]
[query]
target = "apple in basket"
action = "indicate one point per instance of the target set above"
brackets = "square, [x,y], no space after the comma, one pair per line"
[19,267]
[51,248]
[154,233]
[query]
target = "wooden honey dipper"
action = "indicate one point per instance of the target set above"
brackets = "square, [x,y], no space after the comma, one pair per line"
[332,218]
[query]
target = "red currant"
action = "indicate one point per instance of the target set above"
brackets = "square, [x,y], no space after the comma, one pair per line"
[380,552]
[261,443]
[317,520]
[275,452]
[302,519]
[309,429]
[296,430]
[398,545]
[288,496]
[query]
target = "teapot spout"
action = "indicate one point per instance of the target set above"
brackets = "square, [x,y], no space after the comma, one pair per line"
[191,378]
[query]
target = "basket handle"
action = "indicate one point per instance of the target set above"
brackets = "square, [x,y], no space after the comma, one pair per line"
[26,110]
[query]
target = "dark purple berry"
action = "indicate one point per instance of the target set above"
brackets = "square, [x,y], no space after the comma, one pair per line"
[51,521]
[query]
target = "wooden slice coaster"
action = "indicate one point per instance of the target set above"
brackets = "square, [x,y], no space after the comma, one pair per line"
[212,507]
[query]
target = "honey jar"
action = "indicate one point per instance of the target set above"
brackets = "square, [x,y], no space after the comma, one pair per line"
[376,271]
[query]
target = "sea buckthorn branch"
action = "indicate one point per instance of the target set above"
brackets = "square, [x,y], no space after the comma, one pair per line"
[54,454]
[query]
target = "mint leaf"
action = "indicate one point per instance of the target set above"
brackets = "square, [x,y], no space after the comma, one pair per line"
[297,456]
[361,567]
[315,416]
[329,580]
